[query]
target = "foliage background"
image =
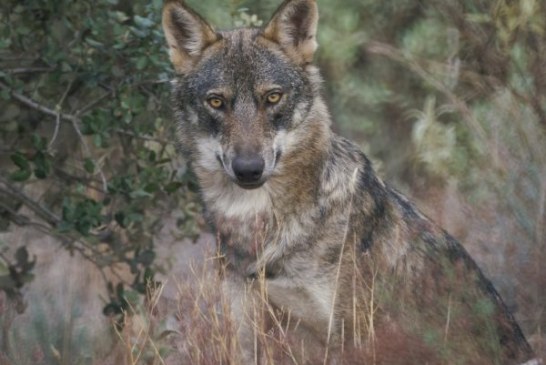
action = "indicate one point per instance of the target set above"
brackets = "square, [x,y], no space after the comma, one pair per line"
[448,99]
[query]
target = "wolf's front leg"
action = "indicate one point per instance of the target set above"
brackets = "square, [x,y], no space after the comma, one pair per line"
[246,310]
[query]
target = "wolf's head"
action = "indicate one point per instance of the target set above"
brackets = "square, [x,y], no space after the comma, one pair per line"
[240,95]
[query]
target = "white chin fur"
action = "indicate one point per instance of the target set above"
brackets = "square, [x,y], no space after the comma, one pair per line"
[236,202]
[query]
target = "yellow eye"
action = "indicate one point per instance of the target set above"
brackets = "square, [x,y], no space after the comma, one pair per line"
[274,98]
[216,103]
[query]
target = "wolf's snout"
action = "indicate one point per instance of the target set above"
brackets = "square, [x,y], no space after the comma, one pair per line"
[248,169]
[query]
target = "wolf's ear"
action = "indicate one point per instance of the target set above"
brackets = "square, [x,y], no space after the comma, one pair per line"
[294,28]
[187,34]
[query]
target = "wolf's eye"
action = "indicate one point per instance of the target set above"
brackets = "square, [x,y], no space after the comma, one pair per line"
[274,97]
[215,103]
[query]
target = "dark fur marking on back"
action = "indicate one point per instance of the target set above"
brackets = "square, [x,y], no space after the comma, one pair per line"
[376,217]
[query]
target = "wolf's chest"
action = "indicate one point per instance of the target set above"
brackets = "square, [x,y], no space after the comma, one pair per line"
[259,242]
[242,239]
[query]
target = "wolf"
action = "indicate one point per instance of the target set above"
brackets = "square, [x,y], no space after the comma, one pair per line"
[302,220]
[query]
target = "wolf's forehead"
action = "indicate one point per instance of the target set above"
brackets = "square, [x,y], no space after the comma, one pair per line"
[238,40]
[241,58]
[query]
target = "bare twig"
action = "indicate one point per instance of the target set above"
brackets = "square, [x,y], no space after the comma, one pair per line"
[152,82]
[4,56]
[55,131]
[26,70]
[35,105]
[42,212]
[5,258]
[18,219]
[89,154]
[58,109]
[93,103]
[141,136]
[64,176]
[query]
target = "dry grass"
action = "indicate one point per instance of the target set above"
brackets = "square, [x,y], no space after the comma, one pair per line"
[194,327]
[203,333]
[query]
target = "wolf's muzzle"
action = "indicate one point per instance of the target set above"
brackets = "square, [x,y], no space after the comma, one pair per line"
[248,170]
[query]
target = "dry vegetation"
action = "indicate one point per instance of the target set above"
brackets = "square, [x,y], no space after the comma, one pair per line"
[185,320]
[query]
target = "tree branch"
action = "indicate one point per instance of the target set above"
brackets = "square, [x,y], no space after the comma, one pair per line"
[26,70]
[42,212]
[34,105]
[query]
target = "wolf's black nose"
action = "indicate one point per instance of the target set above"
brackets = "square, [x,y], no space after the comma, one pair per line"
[248,168]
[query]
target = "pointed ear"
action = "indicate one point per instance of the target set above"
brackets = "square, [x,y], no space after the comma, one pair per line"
[294,28]
[187,34]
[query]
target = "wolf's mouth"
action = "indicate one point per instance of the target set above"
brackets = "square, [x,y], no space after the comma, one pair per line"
[250,186]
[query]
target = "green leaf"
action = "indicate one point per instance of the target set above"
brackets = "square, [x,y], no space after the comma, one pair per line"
[134,217]
[139,33]
[143,22]
[148,275]
[88,125]
[120,219]
[120,290]
[120,16]
[111,309]
[42,165]
[140,194]
[173,186]
[39,142]
[21,175]
[83,227]
[89,165]
[98,140]
[134,267]
[94,43]
[23,30]
[141,63]
[151,187]
[5,43]
[128,117]
[7,282]
[140,288]
[146,257]
[5,95]
[40,173]
[3,268]
[20,161]
[65,227]
[21,255]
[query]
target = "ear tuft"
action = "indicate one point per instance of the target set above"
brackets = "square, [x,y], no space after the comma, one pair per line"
[187,34]
[294,27]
